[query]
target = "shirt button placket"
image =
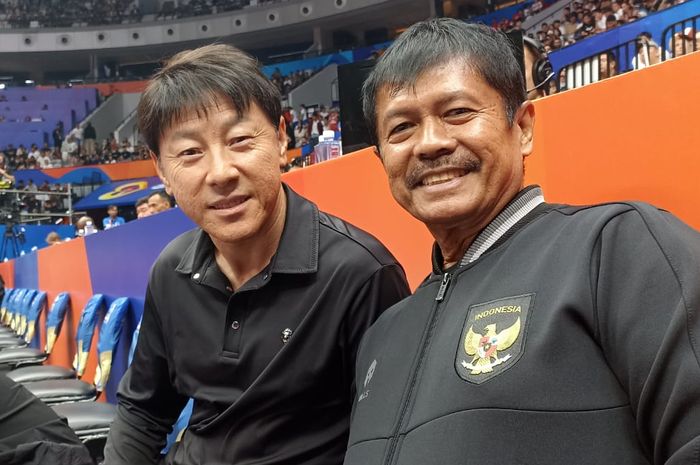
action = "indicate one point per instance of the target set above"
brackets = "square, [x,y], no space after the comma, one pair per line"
[235,316]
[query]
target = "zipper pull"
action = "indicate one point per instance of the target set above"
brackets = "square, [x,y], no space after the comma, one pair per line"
[443,286]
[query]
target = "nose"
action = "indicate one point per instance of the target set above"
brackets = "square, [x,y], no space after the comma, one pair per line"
[434,140]
[222,168]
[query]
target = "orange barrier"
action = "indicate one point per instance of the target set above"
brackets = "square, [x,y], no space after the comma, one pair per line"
[7,270]
[108,88]
[633,137]
[65,268]
[115,171]
[293,153]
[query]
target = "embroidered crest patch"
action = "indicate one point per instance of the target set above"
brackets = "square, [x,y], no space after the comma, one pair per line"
[492,338]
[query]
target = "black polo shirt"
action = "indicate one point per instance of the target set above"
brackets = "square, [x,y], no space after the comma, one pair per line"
[271,365]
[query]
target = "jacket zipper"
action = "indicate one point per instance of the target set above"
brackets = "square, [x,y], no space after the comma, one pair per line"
[446,278]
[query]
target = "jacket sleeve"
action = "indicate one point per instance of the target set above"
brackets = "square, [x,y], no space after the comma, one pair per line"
[31,433]
[646,281]
[148,404]
[383,289]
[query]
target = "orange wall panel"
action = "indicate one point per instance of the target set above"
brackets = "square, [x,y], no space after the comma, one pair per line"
[7,270]
[632,137]
[64,267]
[115,171]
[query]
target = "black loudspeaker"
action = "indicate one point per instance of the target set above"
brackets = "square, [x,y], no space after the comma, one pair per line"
[352,121]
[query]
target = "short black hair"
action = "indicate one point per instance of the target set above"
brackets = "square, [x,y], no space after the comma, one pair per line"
[426,44]
[141,201]
[163,195]
[196,79]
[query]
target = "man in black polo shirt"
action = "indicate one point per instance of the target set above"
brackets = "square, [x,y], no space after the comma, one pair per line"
[257,315]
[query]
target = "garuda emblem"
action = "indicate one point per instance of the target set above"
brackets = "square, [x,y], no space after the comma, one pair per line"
[485,348]
[493,337]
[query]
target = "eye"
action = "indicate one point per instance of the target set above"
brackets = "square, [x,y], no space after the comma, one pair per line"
[399,128]
[456,112]
[189,152]
[239,140]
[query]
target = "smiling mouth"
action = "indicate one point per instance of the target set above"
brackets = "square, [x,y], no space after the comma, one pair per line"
[228,203]
[440,178]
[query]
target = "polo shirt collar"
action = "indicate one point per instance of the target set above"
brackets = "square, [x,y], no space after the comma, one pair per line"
[297,251]
[523,203]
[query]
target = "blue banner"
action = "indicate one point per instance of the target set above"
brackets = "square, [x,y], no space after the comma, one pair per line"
[119,193]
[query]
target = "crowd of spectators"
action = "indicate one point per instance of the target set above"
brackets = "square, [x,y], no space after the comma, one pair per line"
[291,80]
[44,198]
[74,13]
[79,147]
[308,123]
[67,13]
[582,19]
[187,8]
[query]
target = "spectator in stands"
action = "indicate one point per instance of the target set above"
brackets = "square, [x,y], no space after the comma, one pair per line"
[53,238]
[57,135]
[112,220]
[301,134]
[44,159]
[90,138]
[34,152]
[289,289]
[611,22]
[607,65]
[684,42]
[6,176]
[648,52]
[77,133]
[316,127]
[142,208]
[85,226]
[69,149]
[159,201]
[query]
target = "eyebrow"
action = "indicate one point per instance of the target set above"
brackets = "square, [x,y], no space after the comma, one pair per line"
[187,133]
[443,100]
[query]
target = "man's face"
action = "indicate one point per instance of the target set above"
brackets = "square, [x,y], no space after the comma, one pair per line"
[157,204]
[224,170]
[112,212]
[143,210]
[451,157]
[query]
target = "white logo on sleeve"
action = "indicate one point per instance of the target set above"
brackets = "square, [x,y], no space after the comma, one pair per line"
[368,378]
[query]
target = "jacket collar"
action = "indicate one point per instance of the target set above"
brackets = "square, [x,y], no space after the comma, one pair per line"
[523,203]
[297,251]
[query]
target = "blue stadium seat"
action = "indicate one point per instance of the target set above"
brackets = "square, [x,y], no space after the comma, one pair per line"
[74,390]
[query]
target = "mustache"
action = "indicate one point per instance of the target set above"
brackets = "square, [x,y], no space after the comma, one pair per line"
[468,163]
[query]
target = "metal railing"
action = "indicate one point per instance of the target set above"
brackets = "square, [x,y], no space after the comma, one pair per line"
[681,38]
[37,206]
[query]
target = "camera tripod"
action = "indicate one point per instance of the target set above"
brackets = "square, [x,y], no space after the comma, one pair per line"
[10,239]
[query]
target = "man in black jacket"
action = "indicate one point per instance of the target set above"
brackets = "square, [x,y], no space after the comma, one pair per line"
[257,314]
[32,434]
[546,334]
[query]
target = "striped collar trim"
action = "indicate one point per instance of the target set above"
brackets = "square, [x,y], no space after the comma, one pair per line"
[516,210]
